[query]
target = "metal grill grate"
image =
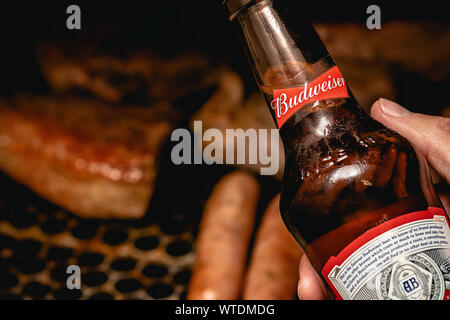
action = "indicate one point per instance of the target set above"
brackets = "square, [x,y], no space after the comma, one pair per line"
[150,258]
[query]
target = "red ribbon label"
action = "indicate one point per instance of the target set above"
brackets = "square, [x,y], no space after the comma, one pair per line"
[286,102]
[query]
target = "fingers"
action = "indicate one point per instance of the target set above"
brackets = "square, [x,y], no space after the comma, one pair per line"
[310,285]
[430,134]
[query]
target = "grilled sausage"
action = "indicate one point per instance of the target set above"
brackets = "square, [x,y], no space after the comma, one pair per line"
[273,270]
[224,237]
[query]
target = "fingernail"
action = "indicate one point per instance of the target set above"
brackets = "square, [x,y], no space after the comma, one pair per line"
[391,108]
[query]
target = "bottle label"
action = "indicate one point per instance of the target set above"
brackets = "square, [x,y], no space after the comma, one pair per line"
[407,257]
[286,102]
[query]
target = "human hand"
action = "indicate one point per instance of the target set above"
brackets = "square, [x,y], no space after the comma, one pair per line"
[430,134]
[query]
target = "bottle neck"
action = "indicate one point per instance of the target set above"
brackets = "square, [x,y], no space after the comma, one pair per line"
[290,62]
[275,36]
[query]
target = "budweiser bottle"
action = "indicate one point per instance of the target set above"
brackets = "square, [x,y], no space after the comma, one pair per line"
[356,196]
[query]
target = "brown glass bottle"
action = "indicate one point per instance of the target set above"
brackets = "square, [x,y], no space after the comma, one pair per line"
[345,173]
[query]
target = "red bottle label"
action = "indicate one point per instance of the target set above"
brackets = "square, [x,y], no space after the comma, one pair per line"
[286,102]
[406,258]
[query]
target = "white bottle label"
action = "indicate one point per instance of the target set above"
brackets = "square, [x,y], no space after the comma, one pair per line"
[407,257]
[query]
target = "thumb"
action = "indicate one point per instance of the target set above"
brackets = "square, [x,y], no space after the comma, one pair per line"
[430,134]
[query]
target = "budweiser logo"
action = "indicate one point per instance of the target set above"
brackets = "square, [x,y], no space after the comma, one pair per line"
[329,85]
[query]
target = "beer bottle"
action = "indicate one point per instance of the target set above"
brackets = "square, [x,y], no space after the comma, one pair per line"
[356,196]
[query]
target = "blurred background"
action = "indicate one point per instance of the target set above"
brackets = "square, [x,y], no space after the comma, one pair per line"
[175,25]
[111,93]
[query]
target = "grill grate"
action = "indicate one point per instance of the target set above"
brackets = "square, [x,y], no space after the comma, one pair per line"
[150,258]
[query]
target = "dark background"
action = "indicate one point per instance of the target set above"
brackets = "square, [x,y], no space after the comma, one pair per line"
[168,25]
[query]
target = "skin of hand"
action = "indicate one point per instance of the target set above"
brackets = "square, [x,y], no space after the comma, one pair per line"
[431,135]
